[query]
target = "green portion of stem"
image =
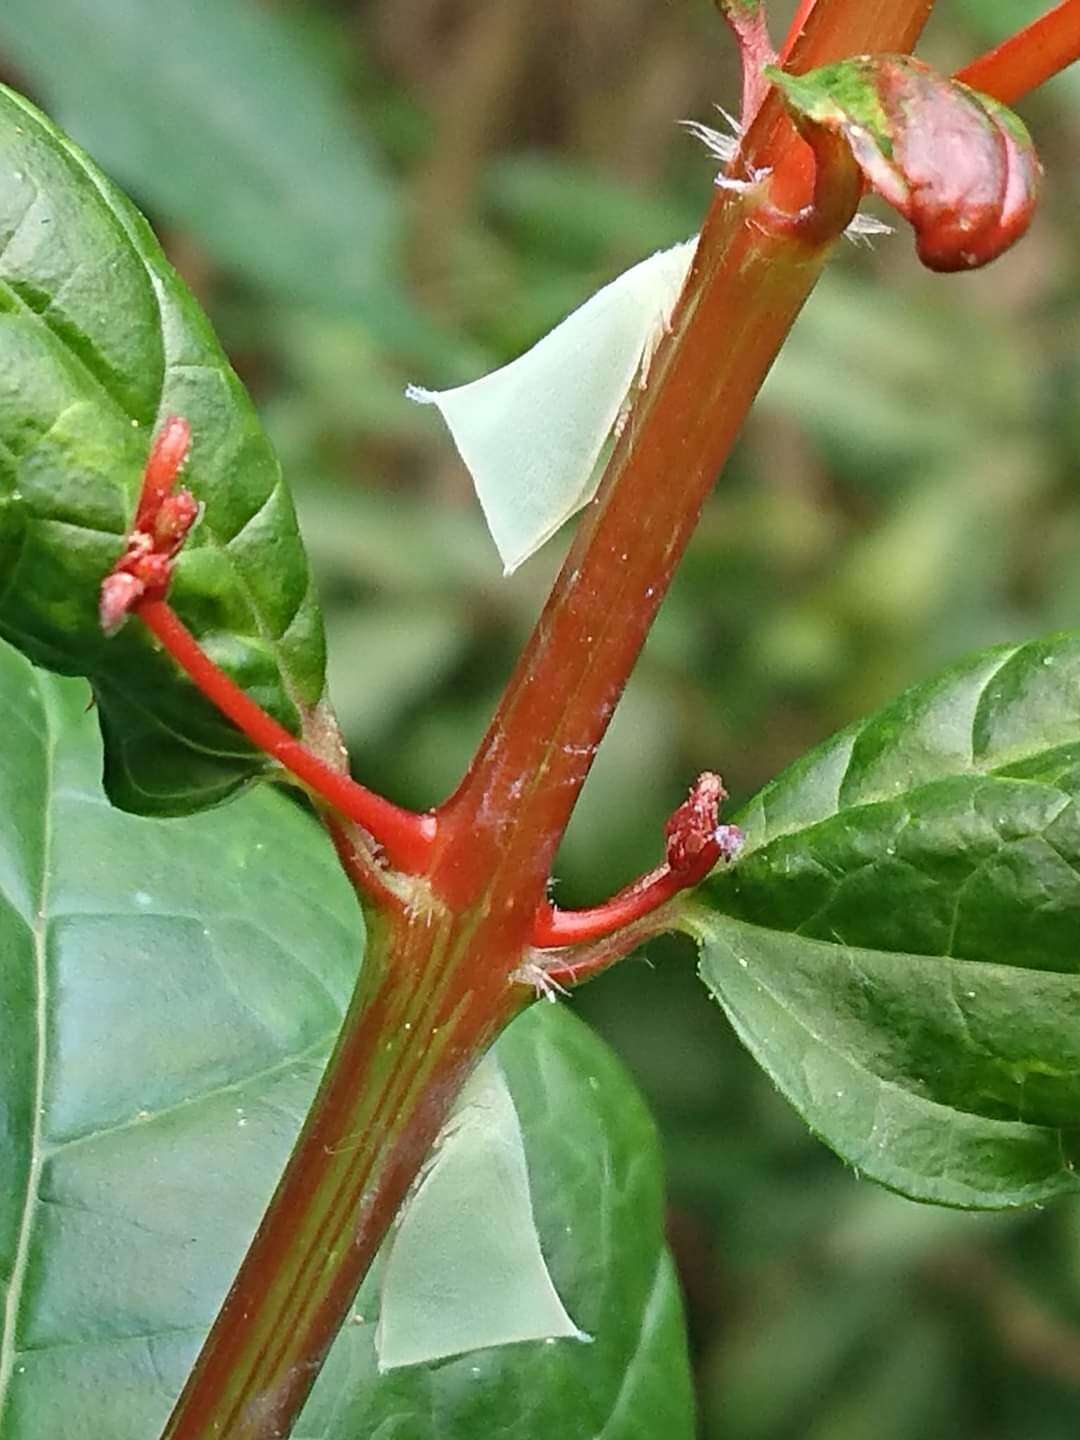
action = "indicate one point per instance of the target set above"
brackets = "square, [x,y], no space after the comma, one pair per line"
[409,1040]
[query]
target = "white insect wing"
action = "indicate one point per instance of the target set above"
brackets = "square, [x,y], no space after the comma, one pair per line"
[465,1270]
[532,432]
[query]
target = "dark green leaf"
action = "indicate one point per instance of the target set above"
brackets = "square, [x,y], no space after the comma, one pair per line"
[213,114]
[168,995]
[99,340]
[899,944]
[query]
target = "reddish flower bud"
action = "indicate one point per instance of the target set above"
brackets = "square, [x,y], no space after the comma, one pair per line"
[162,522]
[174,519]
[119,592]
[691,833]
[956,164]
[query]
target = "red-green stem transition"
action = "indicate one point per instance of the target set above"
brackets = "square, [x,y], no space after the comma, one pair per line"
[461,936]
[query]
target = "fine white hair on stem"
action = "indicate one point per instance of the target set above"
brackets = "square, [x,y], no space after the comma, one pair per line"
[531,972]
[864,227]
[723,145]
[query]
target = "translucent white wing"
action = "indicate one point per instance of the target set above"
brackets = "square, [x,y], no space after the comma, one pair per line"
[465,1270]
[531,433]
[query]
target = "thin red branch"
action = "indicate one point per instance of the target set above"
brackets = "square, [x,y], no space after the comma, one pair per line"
[554,928]
[1027,59]
[406,837]
[696,843]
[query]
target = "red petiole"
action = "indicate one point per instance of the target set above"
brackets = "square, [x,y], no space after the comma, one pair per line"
[1031,56]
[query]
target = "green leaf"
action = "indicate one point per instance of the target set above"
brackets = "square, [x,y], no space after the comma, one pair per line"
[166,1004]
[221,121]
[899,944]
[100,340]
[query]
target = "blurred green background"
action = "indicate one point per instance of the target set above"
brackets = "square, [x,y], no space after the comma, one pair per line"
[364,192]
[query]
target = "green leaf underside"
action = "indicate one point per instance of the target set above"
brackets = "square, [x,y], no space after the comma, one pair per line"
[899,943]
[100,340]
[169,995]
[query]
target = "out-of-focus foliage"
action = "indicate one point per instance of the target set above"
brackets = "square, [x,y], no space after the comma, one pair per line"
[905,492]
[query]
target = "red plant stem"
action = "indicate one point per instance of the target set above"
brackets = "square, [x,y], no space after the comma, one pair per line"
[409,1040]
[407,838]
[1028,58]
[749,23]
[798,24]
[745,289]
[440,985]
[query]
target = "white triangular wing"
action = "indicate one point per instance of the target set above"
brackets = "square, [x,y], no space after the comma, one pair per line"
[465,1270]
[531,433]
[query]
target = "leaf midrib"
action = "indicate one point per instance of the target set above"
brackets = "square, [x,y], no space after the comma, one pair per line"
[13,1303]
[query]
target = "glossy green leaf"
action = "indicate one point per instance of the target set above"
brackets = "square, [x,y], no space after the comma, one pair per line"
[220,120]
[168,995]
[99,340]
[899,944]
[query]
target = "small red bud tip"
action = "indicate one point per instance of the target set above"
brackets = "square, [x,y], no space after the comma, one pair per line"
[167,456]
[162,523]
[957,165]
[964,171]
[175,518]
[696,843]
[691,831]
[119,592]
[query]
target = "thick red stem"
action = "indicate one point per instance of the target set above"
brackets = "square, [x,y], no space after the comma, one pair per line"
[798,24]
[443,982]
[407,838]
[1030,57]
